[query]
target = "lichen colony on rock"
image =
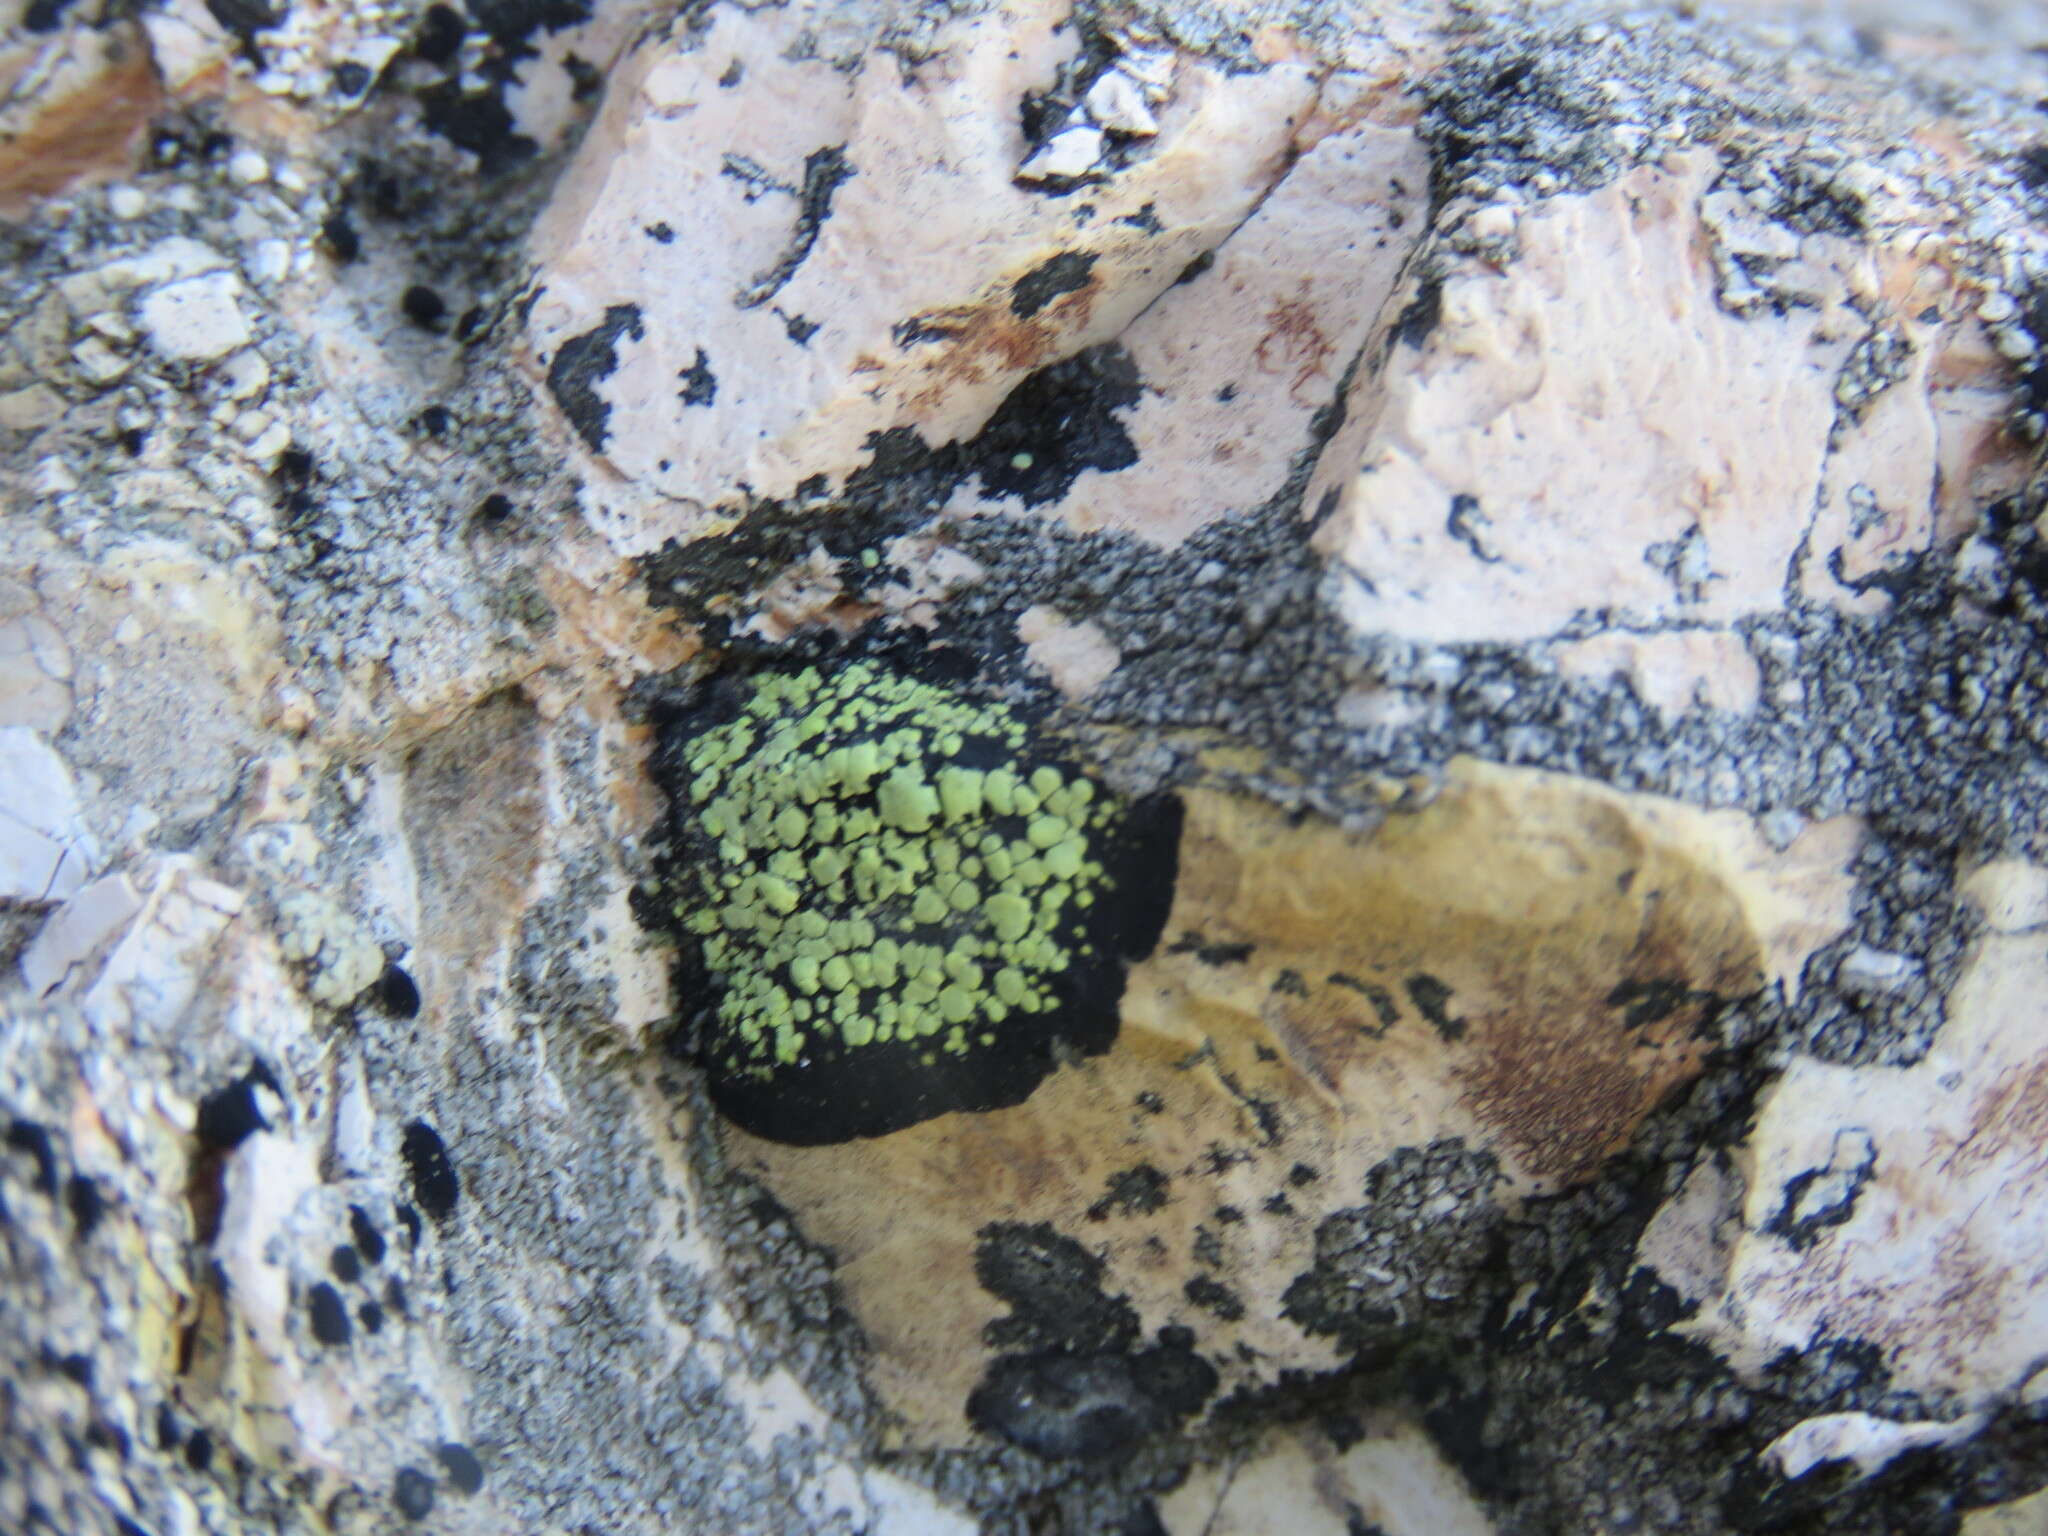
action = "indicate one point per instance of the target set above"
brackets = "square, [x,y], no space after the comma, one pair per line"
[898,901]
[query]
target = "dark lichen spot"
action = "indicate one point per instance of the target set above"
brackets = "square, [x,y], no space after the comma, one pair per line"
[440,35]
[230,1116]
[1213,1296]
[1145,220]
[825,170]
[351,79]
[1432,1000]
[799,328]
[1382,1001]
[363,1231]
[394,1296]
[397,993]
[44,15]
[74,1368]
[1301,1175]
[700,387]
[661,233]
[1192,943]
[328,1316]
[1063,274]
[1053,1287]
[1644,1003]
[478,121]
[1135,1191]
[434,1184]
[371,1316]
[168,1434]
[1057,423]
[1196,268]
[338,236]
[582,363]
[31,1139]
[409,1219]
[413,1493]
[244,18]
[1820,1198]
[464,1471]
[1091,1406]
[895,901]
[424,307]
[1420,315]
[1471,527]
[86,1202]
[345,1264]
[434,420]
[199,1450]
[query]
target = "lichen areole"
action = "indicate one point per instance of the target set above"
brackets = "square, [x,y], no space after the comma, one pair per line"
[895,900]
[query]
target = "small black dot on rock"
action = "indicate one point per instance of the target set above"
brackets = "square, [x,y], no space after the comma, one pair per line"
[394,1296]
[409,1219]
[434,1184]
[424,307]
[494,509]
[199,1450]
[371,1316]
[230,1116]
[134,440]
[368,1240]
[87,1204]
[330,1317]
[471,322]
[413,1493]
[434,421]
[167,1432]
[27,1136]
[398,993]
[351,79]
[338,235]
[347,1267]
[440,35]
[461,1465]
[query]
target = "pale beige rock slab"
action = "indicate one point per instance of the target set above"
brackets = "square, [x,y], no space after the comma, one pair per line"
[1502,891]
[1296,1483]
[1236,361]
[1938,1262]
[919,324]
[1866,1441]
[2020,1517]
[74,104]
[1078,658]
[1626,444]
[1671,670]
[46,850]
[35,674]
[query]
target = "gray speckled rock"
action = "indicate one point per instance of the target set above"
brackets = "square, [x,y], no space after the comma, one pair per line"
[1557,497]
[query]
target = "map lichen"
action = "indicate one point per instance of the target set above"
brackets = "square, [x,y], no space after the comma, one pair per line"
[896,900]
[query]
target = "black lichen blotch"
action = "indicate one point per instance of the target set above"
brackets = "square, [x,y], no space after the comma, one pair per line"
[894,900]
[582,363]
[434,1183]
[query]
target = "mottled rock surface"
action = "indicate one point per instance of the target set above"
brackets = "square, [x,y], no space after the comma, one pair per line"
[1543,504]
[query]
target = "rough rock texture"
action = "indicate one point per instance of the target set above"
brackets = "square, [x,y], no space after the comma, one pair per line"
[1551,497]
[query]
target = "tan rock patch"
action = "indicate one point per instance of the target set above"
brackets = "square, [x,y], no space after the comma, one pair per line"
[1526,963]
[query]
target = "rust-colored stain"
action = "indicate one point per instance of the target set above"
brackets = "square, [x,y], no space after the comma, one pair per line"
[92,132]
[1294,343]
[989,339]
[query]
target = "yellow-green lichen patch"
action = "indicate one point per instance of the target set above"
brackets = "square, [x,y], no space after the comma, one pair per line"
[895,900]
